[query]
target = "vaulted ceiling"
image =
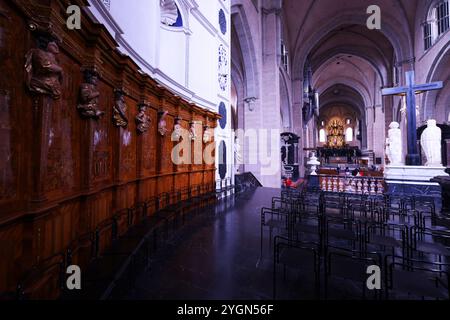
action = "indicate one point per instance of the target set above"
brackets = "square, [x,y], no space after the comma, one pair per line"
[333,36]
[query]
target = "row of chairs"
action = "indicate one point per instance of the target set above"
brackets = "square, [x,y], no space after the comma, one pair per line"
[116,242]
[385,225]
[344,273]
[382,209]
[411,240]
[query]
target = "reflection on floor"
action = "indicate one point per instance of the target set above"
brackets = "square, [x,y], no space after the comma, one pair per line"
[215,256]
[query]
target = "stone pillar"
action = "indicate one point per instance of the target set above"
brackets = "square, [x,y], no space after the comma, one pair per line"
[270,97]
[447,152]
[297,123]
[380,138]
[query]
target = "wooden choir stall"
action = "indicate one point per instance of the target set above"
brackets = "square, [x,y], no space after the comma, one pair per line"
[85,135]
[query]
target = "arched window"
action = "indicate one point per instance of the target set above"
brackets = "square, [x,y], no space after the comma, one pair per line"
[322,136]
[437,23]
[170,14]
[284,57]
[442,17]
[349,135]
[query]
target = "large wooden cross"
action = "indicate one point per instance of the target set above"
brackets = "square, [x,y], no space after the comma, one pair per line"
[410,90]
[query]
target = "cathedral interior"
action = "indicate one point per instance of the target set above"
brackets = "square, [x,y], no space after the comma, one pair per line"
[259,150]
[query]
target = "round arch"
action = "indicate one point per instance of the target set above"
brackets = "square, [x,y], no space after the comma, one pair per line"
[402,44]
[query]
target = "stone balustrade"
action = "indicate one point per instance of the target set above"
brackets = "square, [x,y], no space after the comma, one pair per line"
[350,184]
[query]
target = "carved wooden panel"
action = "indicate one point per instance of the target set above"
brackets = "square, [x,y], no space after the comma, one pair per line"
[149,141]
[68,174]
[127,143]
[166,148]
[12,107]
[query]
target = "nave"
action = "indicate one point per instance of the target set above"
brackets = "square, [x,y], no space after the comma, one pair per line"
[305,245]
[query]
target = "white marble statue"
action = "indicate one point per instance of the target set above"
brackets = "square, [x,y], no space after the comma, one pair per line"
[386,149]
[395,152]
[431,144]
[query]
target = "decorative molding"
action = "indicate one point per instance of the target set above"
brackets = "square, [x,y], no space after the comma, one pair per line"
[169,12]
[156,73]
[143,121]
[89,95]
[250,102]
[38,60]
[107,4]
[204,22]
[120,119]
[106,15]
[162,125]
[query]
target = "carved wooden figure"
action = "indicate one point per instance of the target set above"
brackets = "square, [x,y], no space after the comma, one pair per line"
[162,126]
[143,121]
[177,129]
[206,134]
[192,133]
[89,96]
[119,109]
[44,75]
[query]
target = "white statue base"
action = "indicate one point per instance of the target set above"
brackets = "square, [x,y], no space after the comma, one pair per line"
[313,163]
[413,173]
[413,180]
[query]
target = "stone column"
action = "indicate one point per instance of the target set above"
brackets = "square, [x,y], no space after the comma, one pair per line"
[447,152]
[270,98]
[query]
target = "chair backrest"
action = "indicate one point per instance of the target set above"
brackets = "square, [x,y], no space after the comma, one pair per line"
[350,264]
[417,278]
[310,250]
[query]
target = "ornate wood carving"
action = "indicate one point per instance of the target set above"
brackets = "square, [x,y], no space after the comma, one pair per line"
[44,74]
[162,125]
[89,95]
[177,129]
[120,118]
[61,176]
[143,121]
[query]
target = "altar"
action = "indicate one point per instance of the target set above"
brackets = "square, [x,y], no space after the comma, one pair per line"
[339,156]
[338,160]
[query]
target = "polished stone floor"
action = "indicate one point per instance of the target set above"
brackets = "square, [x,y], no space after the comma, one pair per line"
[215,256]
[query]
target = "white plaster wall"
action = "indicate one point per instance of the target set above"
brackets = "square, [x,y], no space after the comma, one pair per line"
[172,55]
[202,52]
[182,59]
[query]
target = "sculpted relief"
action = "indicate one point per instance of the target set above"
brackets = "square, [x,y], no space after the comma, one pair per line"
[89,96]
[44,74]
[142,119]
[162,125]
[120,109]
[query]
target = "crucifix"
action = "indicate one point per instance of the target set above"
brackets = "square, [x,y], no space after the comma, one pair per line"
[410,90]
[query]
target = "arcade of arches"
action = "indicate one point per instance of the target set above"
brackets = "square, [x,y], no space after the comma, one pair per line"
[334,72]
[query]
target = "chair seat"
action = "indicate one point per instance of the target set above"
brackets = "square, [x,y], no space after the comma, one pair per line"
[275,224]
[297,258]
[306,228]
[417,283]
[434,248]
[342,233]
[385,241]
[346,268]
